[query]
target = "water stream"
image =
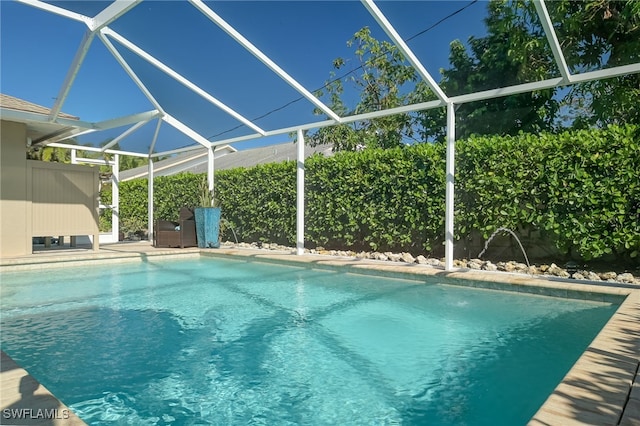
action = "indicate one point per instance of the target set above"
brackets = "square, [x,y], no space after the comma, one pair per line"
[496,232]
[230,227]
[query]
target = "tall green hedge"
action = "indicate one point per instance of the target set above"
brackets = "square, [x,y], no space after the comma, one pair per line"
[259,203]
[580,189]
[377,199]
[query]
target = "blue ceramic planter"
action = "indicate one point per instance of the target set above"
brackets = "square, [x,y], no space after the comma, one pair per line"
[208,226]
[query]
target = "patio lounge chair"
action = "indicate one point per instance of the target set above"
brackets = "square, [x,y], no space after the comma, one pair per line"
[176,234]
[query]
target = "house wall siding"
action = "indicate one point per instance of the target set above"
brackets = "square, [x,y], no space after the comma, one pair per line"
[64,199]
[14,238]
[42,199]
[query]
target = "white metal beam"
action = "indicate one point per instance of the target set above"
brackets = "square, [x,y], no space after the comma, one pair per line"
[177,151]
[111,13]
[506,91]
[179,78]
[129,153]
[60,136]
[169,119]
[606,73]
[552,38]
[71,74]
[98,150]
[96,161]
[94,127]
[126,120]
[216,19]
[393,111]
[155,138]
[56,10]
[404,48]
[78,147]
[124,134]
[547,84]
[345,120]
[123,63]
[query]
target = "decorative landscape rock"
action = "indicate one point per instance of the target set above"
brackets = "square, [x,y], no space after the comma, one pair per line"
[476,264]
[434,262]
[394,257]
[488,266]
[506,266]
[590,275]
[407,258]
[380,256]
[556,271]
[625,278]
[362,255]
[606,276]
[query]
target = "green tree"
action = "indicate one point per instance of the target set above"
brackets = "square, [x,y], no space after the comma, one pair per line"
[600,34]
[493,61]
[130,162]
[512,53]
[384,73]
[49,153]
[594,34]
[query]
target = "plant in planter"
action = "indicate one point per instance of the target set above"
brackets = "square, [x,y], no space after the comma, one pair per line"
[132,228]
[207,218]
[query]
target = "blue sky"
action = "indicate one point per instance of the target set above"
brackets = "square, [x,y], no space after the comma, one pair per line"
[303,37]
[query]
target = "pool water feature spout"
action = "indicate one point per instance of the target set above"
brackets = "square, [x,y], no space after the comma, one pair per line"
[230,227]
[503,229]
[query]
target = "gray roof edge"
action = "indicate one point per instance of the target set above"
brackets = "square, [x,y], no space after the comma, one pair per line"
[242,158]
[17,104]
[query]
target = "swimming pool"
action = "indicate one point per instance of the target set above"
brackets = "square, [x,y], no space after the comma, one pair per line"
[209,341]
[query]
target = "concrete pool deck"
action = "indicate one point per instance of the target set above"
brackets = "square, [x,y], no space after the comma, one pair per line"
[24,401]
[602,388]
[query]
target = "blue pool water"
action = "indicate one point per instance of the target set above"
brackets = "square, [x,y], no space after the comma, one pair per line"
[228,342]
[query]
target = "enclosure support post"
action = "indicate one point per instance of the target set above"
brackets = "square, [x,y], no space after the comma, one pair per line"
[449,195]
[150,201]
[115,198]
[210,170]
[150,187]
[300,195]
